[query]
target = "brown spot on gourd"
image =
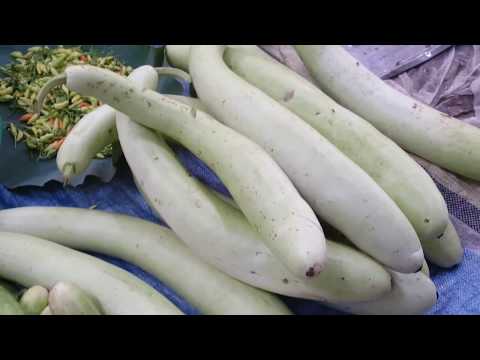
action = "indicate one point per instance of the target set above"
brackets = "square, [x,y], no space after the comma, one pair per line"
[333,111]
[252,272]
[427,220]
[440,236]
[414,106]
[116,99]
[289,95]
[357,63]
[285,281]
[155,158]
[310,273]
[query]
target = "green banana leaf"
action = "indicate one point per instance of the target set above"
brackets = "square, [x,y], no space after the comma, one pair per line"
[19,168]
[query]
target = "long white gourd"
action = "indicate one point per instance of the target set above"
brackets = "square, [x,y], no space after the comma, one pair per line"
[178,55]
[402,178]
[418,128]
[221,235]
[92,133]
[153,248]
[259,186]
[412,294]
[68,299]
[30,261]
[448,252]
[88,137]
[336,188]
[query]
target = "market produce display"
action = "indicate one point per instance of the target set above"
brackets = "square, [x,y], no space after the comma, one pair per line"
[326,204]
[45,130]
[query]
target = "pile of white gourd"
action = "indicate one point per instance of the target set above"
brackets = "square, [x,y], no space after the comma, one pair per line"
[326,203]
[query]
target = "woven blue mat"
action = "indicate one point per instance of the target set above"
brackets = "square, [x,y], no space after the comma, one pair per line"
[459,288]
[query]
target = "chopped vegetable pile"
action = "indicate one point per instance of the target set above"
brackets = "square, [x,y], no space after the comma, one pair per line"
[21,80]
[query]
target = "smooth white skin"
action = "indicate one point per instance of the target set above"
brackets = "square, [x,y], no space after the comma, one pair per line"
[221,235]
[402,178]
[34,300]
[447,251]
[88,137]
[412,294]
[30,261]
[418,128]
[259,186]
[340,192]
[178,55]
[153,248]
[68,299]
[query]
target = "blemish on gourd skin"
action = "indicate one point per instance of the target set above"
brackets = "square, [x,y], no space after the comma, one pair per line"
[289,96]
[285,281]
[310,273]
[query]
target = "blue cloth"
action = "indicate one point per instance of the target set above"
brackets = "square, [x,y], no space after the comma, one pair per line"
[458,287]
